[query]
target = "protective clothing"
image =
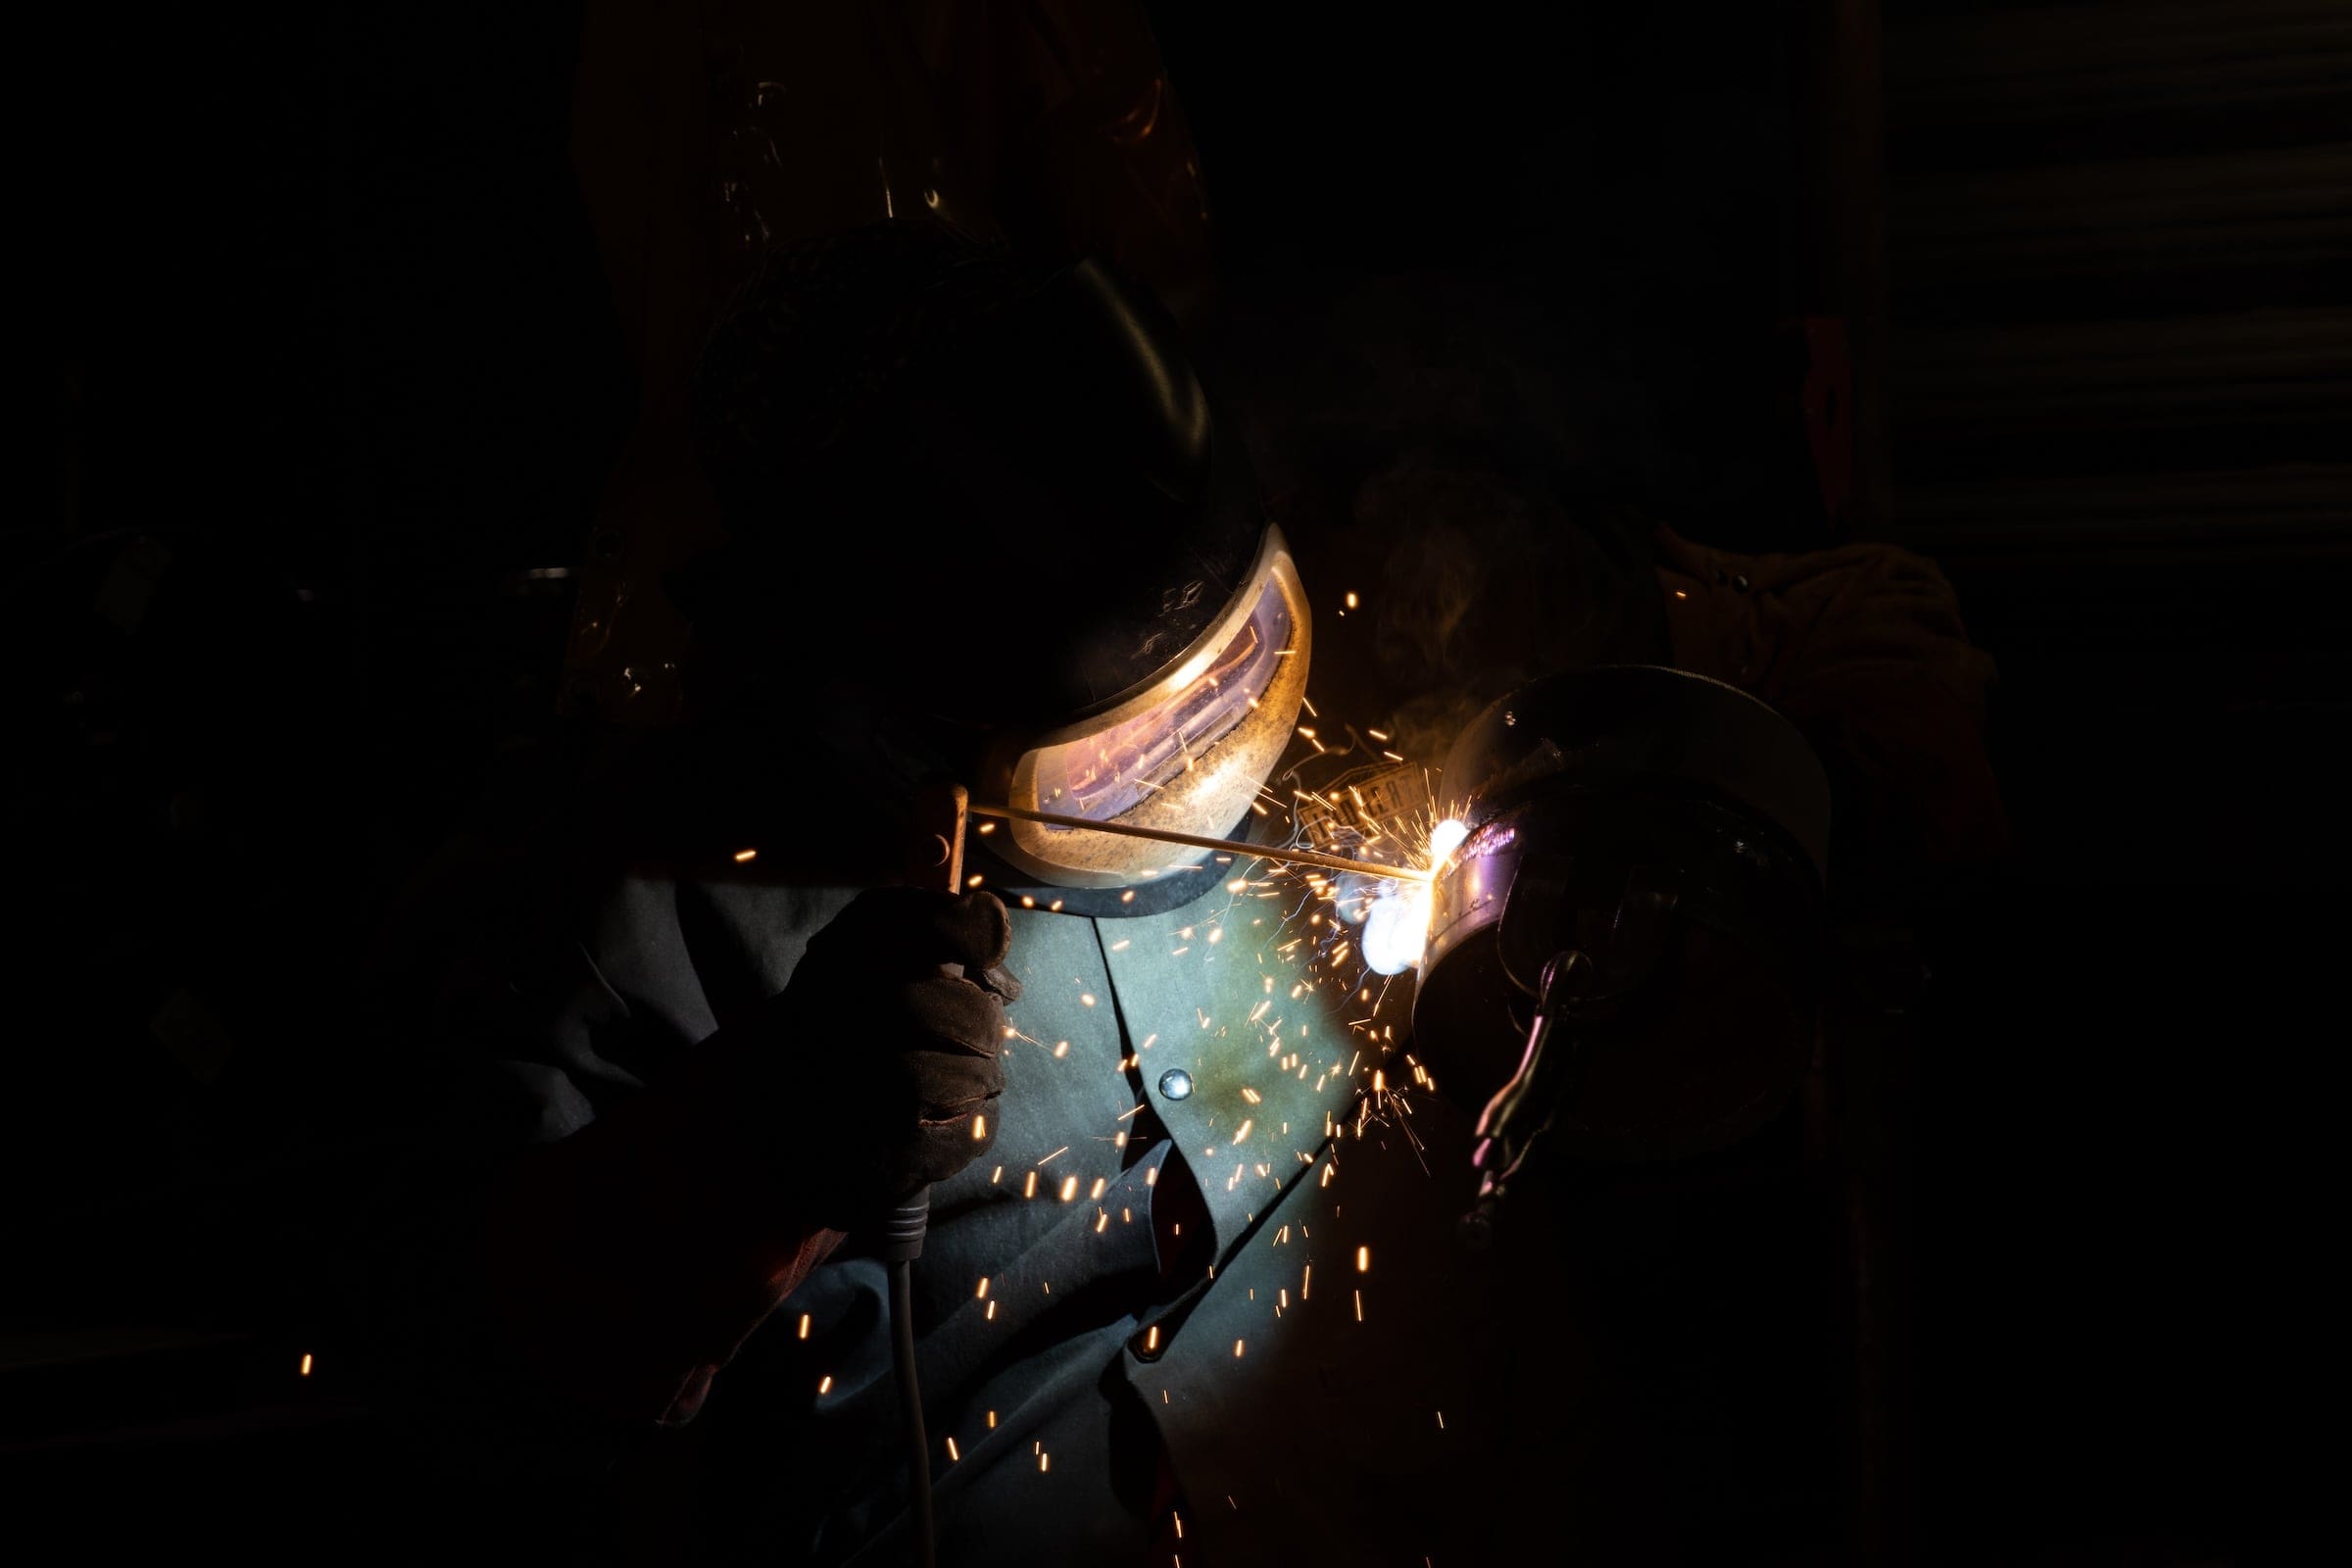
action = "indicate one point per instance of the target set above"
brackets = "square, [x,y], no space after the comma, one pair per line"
[861,389]
[1085,1283]
[627,1261]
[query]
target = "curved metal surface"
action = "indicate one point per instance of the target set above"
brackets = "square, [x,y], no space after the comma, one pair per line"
[1674,830]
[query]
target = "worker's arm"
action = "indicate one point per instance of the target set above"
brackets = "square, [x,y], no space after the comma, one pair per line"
[608,1205]
[626,1263]
[1863,648]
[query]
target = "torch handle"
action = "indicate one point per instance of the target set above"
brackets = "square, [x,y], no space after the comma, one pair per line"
[934,857]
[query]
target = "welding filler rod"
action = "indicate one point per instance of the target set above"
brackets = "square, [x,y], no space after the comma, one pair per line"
[1264,851]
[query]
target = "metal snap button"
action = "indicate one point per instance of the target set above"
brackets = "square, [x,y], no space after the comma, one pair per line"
[1176,1083]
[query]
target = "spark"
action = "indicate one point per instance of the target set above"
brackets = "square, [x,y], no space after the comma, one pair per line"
[952,1456]
[980,1295]
[803,1325]
[1363,1261]
[979,1128]
[1069,1188]
[1057,1154]
[306,1363]
[825,1386]
[1237,1350]
[741,855]
[973,881]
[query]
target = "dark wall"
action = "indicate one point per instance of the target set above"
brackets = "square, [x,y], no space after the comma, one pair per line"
[319,314]
[2121,280]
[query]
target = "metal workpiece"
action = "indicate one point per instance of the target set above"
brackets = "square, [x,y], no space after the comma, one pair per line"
[1673,832]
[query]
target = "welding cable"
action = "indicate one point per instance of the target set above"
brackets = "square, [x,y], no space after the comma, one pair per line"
[911,1406]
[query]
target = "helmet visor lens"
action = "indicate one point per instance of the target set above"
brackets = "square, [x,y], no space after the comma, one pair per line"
[1188,754]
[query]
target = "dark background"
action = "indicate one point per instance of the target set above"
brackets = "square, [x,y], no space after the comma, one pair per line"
[317,307]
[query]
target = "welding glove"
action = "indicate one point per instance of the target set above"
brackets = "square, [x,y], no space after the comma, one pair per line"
[1863,649]
[875,1072]
[628,1263]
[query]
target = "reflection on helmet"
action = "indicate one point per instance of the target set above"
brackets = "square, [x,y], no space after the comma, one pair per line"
[1187,751]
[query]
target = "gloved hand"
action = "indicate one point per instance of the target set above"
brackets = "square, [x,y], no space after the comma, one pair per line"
[628,1263]
[876,1070]
[1863,649]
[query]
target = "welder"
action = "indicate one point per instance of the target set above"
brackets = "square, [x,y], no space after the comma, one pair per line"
[983,525]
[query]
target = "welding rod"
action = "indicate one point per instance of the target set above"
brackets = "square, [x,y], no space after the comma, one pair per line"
[1329,863]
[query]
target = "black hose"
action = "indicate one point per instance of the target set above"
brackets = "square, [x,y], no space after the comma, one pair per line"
[911,1406]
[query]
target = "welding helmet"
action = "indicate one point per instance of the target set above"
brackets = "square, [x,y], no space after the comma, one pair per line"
[985,524]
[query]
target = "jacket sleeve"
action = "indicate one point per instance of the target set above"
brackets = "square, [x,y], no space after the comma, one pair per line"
[579,1229]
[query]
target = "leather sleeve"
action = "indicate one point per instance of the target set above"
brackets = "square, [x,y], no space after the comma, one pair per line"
[574,1234]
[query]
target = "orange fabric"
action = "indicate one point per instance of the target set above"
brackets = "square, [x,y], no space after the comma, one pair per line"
[1862,647]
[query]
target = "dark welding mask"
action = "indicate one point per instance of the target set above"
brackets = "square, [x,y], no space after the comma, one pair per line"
[985,524]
